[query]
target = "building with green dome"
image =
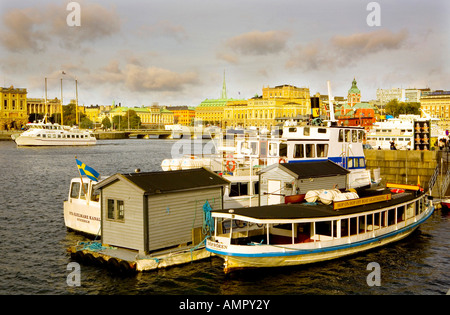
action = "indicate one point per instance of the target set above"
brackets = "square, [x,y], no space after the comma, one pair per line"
[354,94]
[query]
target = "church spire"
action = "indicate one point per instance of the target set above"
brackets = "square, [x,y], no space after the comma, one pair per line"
[224,87]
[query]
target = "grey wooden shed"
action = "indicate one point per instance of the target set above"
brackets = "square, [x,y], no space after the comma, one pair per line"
[157,210]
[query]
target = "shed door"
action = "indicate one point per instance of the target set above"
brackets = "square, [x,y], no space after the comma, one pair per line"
[274,190]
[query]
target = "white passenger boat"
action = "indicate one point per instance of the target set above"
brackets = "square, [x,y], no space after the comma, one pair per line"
[48,134]
[287,235]
[82,207]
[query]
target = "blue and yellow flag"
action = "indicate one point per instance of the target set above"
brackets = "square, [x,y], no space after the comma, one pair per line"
[87,171]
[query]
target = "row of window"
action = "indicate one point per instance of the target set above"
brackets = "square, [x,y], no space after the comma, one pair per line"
[62,136]
[77,192]
[388,138]
[13,107]
[310,150]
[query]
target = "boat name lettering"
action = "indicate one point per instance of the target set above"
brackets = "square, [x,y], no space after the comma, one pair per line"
[360,201]
[83,216]
[216,245]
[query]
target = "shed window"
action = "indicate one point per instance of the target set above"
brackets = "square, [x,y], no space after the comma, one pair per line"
[116,210]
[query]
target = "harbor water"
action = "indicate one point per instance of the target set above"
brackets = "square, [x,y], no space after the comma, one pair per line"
[34,182]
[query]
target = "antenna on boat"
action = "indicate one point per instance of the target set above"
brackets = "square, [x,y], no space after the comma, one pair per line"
[330,102]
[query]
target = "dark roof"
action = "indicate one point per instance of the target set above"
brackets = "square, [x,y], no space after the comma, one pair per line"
[313,169]
[308,211]
[169,181]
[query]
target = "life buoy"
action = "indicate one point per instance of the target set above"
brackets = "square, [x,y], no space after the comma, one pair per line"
[281,160]
[232,168]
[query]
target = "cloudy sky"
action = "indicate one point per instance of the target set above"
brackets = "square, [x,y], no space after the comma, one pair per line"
[175,52]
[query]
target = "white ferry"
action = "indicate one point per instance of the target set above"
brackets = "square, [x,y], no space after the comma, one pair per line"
[48,134]
[405,133]
[82,208]
[294,234]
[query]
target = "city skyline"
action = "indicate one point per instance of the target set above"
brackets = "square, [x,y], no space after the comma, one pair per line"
[175,52]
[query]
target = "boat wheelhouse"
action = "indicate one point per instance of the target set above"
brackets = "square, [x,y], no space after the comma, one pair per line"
[82,207]
[294,234]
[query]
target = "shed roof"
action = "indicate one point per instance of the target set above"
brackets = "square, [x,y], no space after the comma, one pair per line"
[169,181]
[310,169]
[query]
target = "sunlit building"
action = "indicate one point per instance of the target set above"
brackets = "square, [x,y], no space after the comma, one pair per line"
[262,111]
[13,109]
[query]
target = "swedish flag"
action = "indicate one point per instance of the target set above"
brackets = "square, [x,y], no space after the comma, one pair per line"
[87,171]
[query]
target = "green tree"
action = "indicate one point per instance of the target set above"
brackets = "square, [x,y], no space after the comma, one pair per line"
[121,121]
[106,122]
[86,123]
[395,108]
[69,118]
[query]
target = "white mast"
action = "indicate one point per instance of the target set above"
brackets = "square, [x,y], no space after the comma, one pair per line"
[330,102]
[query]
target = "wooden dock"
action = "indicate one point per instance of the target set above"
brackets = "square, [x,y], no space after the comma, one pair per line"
[127,261]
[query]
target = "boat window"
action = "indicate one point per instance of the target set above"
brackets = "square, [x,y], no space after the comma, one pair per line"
[254,148]
[256,188]
[322,150]
[75,190]
[341,135]
[306,131]
[400,214]
[354,226]
[323,228]
[355,136]
[383,219]
[362,224]
[283,149]
[273,149]
[82,196]
[39,135]
[369,222]
[344,227]
[348,135]
[238,189]
[377,220]
[362,162]
[292,129]
[263,149]
[322,130]
[391,217]
[360,135]
[95,194]
[410,211]
[298,151]
[59,136]
[350,162]
[44,136]
[310,150]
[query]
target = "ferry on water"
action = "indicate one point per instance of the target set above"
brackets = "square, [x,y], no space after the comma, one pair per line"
[302,233]
[48,134]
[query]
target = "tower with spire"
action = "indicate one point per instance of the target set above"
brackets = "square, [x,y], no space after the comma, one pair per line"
[224,88]
[354,94]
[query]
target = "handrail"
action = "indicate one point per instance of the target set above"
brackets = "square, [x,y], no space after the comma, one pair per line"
[433,178]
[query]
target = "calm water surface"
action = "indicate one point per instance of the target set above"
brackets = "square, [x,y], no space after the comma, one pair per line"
[34,183]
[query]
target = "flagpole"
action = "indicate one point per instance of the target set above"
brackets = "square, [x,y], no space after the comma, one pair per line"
[81,177]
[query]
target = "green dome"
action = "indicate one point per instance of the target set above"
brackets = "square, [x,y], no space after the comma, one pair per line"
[354,89]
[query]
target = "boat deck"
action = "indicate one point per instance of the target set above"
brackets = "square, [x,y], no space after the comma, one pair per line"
[315,210]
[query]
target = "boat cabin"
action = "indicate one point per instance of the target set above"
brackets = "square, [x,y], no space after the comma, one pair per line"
[152,211]
[279,183]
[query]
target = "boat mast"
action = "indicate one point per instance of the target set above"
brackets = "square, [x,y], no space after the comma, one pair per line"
[330,102]
[76,110]
[45,97]
[62,101]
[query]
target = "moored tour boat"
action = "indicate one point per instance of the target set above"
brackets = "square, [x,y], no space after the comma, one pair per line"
[302,233]
[48,134]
